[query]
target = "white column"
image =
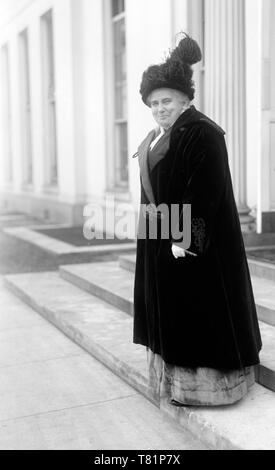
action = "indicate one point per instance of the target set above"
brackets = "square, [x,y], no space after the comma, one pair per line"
[62,33]
[36,104]
[225,89]
[15,117]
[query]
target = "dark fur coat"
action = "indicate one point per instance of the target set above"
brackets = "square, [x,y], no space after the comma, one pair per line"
[195,311]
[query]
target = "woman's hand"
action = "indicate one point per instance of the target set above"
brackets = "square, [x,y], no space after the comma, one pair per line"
[177,251]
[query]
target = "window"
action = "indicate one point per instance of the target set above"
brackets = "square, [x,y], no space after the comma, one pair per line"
[25,108]
[120,93]
[6,100]
[48,74]
[117,7]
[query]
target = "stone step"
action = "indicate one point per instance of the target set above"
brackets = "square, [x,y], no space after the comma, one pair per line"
[99,282]
[253,239]
[264,293]
[262,269]
[106,333]
[114,285]
[105,280]
[265,372]
[263,281]
[66,252]
[94,324]
[128,262]
[257,268]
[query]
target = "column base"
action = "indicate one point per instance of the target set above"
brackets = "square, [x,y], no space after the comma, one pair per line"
[44,206]
[248,223]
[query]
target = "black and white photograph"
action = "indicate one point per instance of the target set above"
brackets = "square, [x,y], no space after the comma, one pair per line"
[137,227]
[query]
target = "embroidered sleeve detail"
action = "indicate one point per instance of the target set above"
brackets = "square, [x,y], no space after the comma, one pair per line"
[198,230]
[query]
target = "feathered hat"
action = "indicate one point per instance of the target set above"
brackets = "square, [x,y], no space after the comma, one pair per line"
[176,72]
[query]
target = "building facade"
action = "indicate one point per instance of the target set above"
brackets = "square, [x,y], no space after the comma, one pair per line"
[72,117]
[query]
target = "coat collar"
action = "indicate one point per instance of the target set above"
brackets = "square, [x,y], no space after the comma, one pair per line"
[193,116]
[189,117]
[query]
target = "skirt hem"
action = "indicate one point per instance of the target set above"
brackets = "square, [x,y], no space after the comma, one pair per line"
[198,386]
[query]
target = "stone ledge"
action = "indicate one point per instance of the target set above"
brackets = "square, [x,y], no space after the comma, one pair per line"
[105,332]
[60,248]
[114,284]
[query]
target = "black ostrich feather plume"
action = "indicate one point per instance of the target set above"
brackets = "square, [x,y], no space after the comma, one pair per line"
[176,72]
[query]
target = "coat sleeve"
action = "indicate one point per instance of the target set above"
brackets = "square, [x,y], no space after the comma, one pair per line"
[207,172]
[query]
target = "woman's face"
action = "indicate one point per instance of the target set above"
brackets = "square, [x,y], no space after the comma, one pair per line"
[167,105]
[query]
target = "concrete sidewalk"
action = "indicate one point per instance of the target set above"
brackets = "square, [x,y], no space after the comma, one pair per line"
[54,395]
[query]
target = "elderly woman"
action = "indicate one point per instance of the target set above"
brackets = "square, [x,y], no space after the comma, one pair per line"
[193,305]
